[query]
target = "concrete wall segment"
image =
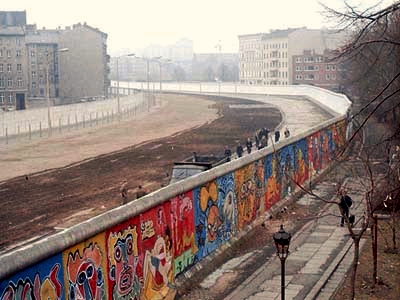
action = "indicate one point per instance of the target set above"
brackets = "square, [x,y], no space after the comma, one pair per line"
[168,199]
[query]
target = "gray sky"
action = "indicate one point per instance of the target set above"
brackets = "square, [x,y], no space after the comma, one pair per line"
[132,24]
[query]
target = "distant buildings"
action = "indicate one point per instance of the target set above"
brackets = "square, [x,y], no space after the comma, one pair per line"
[267,58]
[64,64]
[317,69]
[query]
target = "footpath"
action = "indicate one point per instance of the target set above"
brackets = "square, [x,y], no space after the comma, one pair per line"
[321,253]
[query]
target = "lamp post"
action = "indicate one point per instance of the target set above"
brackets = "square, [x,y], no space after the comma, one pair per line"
[48,88]
[118,102]
[282,241]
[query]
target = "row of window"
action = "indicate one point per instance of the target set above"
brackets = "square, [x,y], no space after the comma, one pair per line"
[257,45]
[265,65]
[10,83]
[7,41]
[315,77]
[315,68]
[8,53]
[264,55]
[252,74]
[9,68]
[10,98]
[309,59]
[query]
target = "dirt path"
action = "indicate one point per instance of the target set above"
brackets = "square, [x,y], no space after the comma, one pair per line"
[176,113]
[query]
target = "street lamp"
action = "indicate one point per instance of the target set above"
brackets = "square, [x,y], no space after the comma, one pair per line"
[48,88]
[282,241]
[119,107]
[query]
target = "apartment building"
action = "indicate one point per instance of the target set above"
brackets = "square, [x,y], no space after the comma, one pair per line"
[266,58]
[64,65]
[84,70]
[13,68]
[319,69]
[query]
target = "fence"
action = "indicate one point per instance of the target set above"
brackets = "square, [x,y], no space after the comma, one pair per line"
[24,125]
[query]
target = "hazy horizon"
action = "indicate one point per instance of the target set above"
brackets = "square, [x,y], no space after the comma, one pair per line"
[135,24]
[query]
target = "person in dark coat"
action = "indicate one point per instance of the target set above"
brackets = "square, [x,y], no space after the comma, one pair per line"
[287,132]
[249,145]
[344,205]
[277,136]
[239,150]
[257,141]
[228,153]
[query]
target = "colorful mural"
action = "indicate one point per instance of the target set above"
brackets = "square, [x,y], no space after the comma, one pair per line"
[141,257]
[41,281]
[157,252]
[123,259]
[245,191]
[272,180]
[215,215]
[300,161]
[183,232]
[84,270]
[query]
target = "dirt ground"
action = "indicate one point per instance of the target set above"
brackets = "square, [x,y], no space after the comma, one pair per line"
[57,182]
[388,267]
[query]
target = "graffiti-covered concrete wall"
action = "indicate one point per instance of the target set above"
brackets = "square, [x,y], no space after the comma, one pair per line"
[137,251]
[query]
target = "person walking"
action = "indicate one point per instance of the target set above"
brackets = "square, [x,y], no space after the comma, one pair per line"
[249,145]
[257,141]
[228,153]
[239,150]
[277,136]
[286,133]
[263,143]
[344,205]
[124,191]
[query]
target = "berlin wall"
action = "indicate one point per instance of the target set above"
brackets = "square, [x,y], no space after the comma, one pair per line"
[141,248]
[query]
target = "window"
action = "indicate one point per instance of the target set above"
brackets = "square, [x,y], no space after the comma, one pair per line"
[10,98]
[328,67]
[2,82]
[8,53]
[33,53]
[18,53]
[19,68]
[327,77]
[1,68]
[33,74]
[298,68]
[299,77]
[1,98]
[33,85]
[333,67]
[19,82]
[9,69]
[1,52]
[18,41]
[9,82]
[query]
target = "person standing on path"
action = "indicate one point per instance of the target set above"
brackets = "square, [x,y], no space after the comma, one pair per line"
[239,150]
[249,145]
[344,205]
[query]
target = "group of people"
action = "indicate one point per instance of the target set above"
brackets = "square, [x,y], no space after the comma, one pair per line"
[261,141]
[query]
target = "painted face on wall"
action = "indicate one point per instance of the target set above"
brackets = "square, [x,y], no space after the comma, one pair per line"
[85,274]
[213,223]
[123,257]
[124,264]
